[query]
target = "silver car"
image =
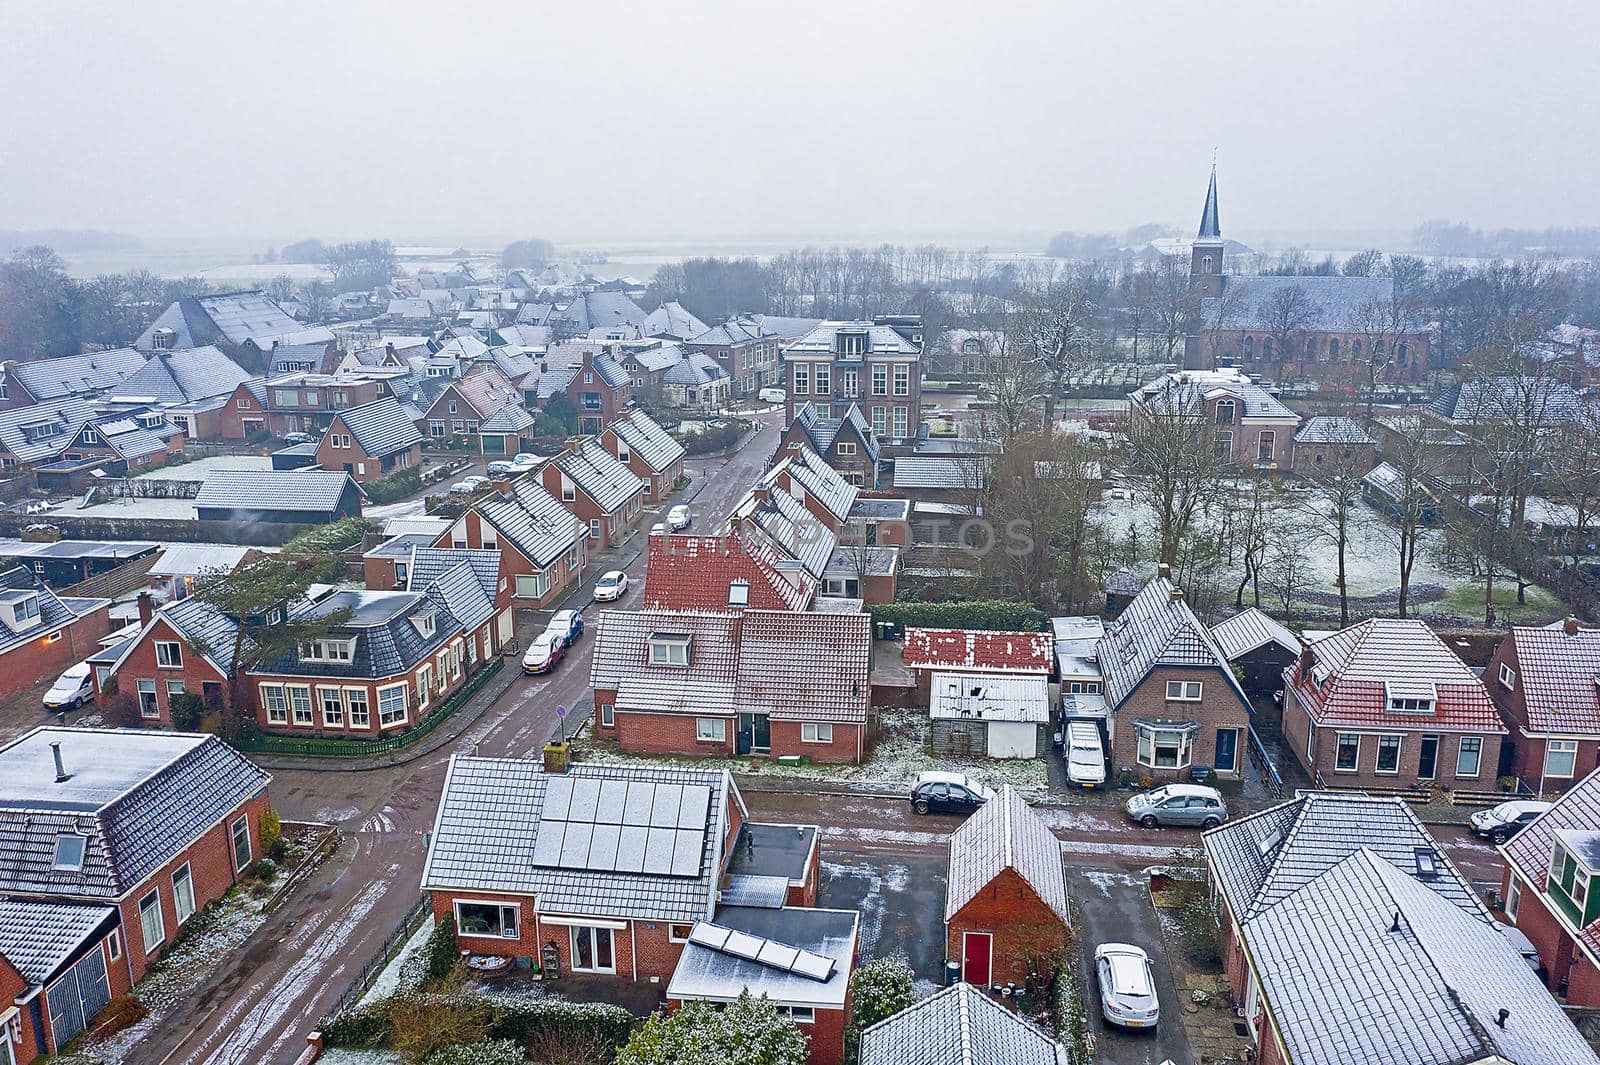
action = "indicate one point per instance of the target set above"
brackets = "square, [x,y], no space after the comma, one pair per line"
[1186,805]
[1127,986]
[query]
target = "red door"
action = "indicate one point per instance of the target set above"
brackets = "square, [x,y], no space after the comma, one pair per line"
[976,949]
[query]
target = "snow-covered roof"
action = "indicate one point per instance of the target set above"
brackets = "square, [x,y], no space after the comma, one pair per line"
[988,697]
[1004,834]
[1252,628]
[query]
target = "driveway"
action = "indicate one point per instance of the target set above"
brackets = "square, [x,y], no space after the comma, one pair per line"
[900,895]
[1115,908]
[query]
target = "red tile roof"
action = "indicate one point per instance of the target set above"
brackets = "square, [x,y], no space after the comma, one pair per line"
[694,572]
[1558,675]
[1349,677]
[1006,652]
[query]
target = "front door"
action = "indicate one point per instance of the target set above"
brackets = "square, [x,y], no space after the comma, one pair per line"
[1227,760]
[976,954]
[755,734]
[1428,762]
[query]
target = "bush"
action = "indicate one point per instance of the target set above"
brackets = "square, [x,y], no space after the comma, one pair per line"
[363,1027]
[263,869]
[271,829]
[441,950]
[1199,930]
[720,438]
[397,485]
[591,1031]
[187,711]
[335,536]
[425,1024]
[120,1013]
[749,1031]
[1072,1025]
[498,1052]
[998,615]
[880,989]
[531,1019]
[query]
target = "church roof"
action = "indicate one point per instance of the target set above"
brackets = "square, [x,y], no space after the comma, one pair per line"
[1210,223]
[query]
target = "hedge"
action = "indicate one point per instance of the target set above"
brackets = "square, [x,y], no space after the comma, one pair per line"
[335,536]
[517,1017]
[397,485]
[498,1052]
[999,615]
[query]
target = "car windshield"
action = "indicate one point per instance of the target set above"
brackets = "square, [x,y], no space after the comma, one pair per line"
[1505,811]
[609,580]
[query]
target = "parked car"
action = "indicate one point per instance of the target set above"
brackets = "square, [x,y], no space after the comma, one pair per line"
[772,395]
[1500,823]
[71,690]
[1127,986]
[679,518]
[469,485]
[501,468]
[612,585]
[947,793]
[567,624]
[1185,805]
[658,529]
[525,460]
[298,438]
[1086,758]
[545,650]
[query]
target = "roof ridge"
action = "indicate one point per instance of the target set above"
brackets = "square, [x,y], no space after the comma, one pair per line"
[1276,864]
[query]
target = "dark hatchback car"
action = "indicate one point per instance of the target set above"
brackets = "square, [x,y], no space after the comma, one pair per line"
[947,793]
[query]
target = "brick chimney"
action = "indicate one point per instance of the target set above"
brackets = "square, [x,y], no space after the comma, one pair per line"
[1570,625]
[1176,595]
[573,444]
[1164,571]
[147,608]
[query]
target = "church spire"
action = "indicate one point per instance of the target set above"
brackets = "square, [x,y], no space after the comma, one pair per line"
[1210,225]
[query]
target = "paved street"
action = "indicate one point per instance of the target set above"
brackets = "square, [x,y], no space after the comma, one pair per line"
[260,1008]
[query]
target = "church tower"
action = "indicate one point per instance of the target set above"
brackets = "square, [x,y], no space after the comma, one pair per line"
[1205,276]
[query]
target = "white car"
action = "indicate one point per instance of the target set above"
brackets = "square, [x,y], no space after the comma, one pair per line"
[1086,760]
[1127,986]
[525,460]
[612,585]
[469,485]
[71,690]
[772,395]
[679,518]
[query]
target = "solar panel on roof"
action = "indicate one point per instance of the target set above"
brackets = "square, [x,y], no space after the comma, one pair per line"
[743,945]
[686,853]
[585,799]
[575,845]
[557,798]
[631,843]
[694,806]
[636,811]
[777,955]
[812,966]
[547,844]
[664,811]
[613,797]
[658,851]
[603,848]
[709,935]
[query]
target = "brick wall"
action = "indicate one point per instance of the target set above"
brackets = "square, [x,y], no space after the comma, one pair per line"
[1219,707]
[1548,936]
[1023,927]
[845,747]
[667,733]
[1324,754]
[468,531]
[41,657]
[140,664]
[1527,760]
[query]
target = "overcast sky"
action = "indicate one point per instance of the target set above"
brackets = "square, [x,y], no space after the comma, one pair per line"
[343,118]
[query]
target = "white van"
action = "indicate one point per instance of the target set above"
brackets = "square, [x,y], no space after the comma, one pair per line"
[772,395]
[1086,759]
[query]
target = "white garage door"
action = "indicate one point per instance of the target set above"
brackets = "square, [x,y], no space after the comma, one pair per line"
[506,626]
[1013,739]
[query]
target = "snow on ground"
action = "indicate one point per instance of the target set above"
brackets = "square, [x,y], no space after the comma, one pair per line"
[389,979]
[199,468]
[1104,880]
[334,815]
[340,1056]
[1078,819]
[873,906]
[885,837]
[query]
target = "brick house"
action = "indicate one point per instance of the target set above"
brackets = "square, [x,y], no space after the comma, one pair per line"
[1543,681]
[1385,703]
[600,491]
[186,647]
[42,633]
[1333,443]
[119,444]
[114,839]
[1249,426]
[846,443]
[1171,696]
[729,682]
[653,454]
[22,384]
[295,403]
[1349,937]
[599,871]
[397,658]
[1005,907]
[590,376]
[746,351]
[731,571]
[1546,886]
[371,441]
[959,1023]
[543,547]
[190,386]
[876,365]
[466,403]
[929,651]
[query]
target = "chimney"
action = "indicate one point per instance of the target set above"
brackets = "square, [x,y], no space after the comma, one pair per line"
[1176,595]
[1395,925]
[147,608]
[1501,1016]
[1164,571]
[61,769]
[1570,625]
[573,444]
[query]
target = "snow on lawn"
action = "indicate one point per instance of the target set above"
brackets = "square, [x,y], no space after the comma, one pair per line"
[341,1056]
[892,763]
[389,979]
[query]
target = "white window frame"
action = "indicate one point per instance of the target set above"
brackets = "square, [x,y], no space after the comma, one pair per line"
[239,832]
[672,935]
[1514,897]
[1569,748]
[276,714]
[847,448]
[608,714]
[902,379]
[1477,756]
[298,715]
[1580,887]
[424,685]
[151,943]
[1508,677]
[383,714]
[516,918]
[114,944]
[169,654]
[1185,691]
[351,697]
[336,719]
[710,730]
[669,648]
[816,732]
[1147,741]
[593,933]
[183,899]
[153,710]
[800,1014]
[1338,747]
[1399,753]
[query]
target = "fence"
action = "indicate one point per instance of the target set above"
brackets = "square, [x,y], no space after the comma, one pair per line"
[1269,772]
[378,962]
[322,747]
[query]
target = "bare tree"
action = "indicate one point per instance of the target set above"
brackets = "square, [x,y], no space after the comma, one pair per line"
[1170,453]
[1336,495]
[1414,455]
[1172,299]
[1039,498]
[1285,313]
[1381,321]
[1056,326]
[1014,386]
[1576,481]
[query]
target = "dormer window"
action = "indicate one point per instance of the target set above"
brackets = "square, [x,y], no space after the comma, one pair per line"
[69,852]
[669,650]
[89,436]
[622,451]
[425,624]
[23,610]
[1225,411]
[739,593]
[163,339]
[328,650]
[849,343]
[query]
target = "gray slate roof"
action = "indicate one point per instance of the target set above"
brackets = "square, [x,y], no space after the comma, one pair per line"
[1004,834]
[429,563]
[20,428]
[303,490]
[959,1025]
[1186,391]
[532,520]
[460,591]
[822,430]
[1537,401]
[1156,630]
[183,376]
[488,820]
[77,375]
[599,475]
[1332,429]
[54,611]
[138,796]
[881,339]
[657,447]
[821,481]
[381,427]
[1338,300]
[672,319]
[695,368]
[790,527]
[388,643]
[948,472]
[37,937]
[1252,628]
